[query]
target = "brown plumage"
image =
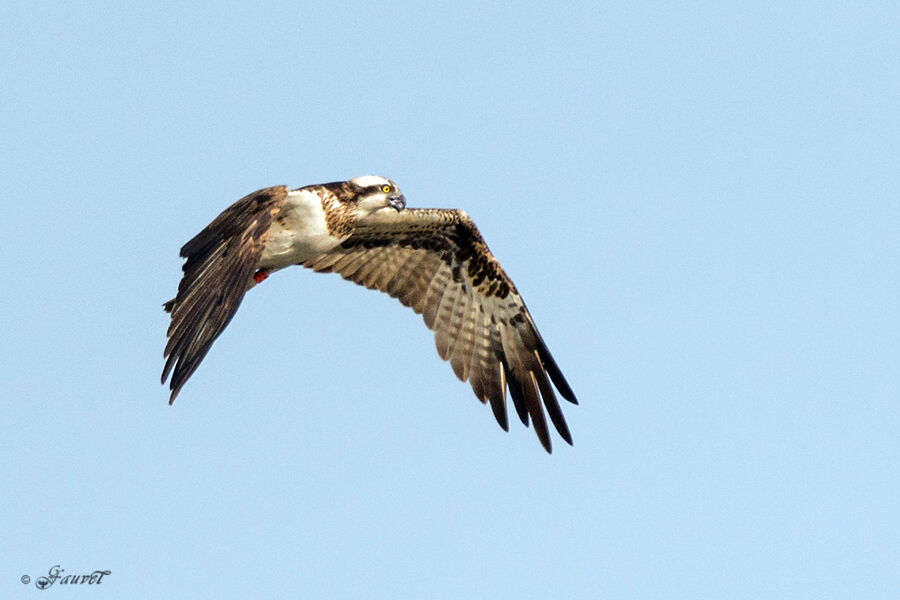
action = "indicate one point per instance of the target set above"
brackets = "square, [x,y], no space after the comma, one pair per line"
[432,260]
[221,259]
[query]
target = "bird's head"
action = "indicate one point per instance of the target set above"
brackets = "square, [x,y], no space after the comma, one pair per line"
[374,192]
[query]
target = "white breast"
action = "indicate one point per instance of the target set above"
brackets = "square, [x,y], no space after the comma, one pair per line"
[298,232]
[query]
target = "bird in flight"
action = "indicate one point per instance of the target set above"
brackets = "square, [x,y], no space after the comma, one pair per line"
[432,260]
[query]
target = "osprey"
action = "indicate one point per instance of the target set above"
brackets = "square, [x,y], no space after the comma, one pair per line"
[432,260]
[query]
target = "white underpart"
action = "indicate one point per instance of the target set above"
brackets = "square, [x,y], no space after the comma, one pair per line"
[300,234]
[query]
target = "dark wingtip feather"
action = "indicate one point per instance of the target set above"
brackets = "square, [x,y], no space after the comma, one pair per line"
[546,444]
[535,410]
[499,410]
[553,409]
[554,371]
[518,397]
[494,391]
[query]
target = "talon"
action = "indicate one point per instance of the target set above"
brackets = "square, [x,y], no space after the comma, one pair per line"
[260,275]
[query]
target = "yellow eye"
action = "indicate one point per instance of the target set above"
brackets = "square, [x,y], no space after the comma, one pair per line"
[385,188]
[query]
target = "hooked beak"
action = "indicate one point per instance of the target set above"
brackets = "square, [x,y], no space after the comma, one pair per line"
[398,203]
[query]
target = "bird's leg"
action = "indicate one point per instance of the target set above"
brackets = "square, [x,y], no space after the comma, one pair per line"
[260,275]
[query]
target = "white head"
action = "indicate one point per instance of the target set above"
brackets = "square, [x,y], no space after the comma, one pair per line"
[374,192]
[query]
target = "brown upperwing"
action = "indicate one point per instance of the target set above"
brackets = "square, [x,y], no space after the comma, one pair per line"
[220,264]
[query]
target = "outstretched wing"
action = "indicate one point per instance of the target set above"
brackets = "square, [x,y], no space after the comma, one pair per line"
[436,262]
[219,268]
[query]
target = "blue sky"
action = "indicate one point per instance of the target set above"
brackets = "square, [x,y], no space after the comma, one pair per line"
[698,202]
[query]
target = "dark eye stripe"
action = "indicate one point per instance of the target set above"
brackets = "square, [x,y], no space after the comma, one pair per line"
[374,189]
